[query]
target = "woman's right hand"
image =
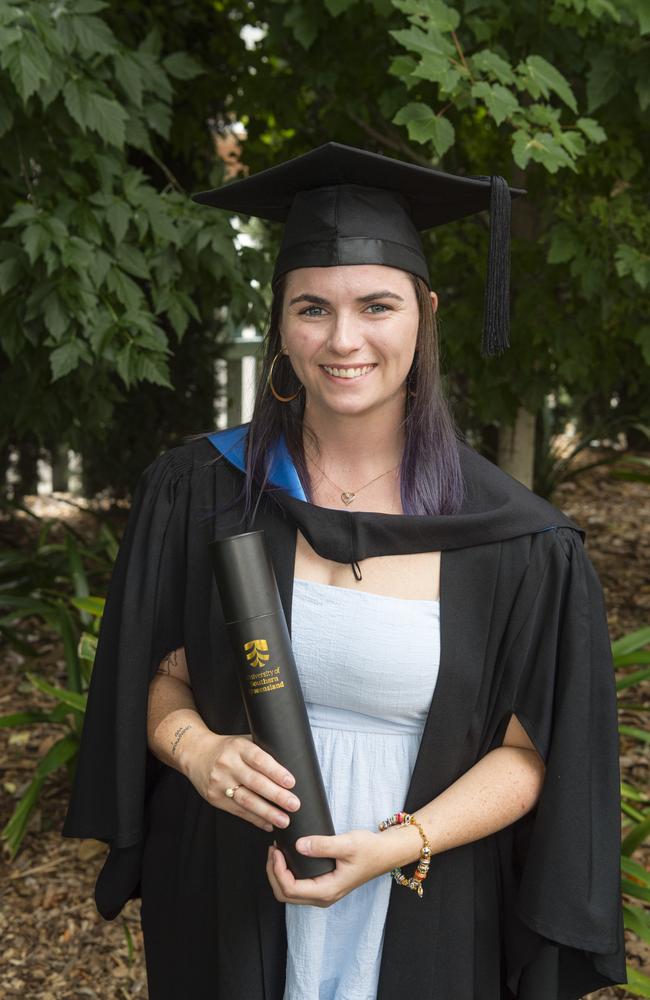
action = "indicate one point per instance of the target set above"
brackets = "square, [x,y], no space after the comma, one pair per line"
[219,761]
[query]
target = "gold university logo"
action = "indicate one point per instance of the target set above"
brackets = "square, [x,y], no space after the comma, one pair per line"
[257,652]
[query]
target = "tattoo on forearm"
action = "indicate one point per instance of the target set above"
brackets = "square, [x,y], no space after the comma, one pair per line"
[179,734]
[167,664]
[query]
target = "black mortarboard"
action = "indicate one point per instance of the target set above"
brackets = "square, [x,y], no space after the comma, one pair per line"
[344,205]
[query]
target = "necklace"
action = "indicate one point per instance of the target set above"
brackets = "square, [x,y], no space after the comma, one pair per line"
[346,495]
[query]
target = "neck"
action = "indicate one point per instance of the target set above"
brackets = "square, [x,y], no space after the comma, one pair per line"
[355,447]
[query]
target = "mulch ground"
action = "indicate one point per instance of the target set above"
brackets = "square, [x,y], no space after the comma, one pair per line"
[57,947]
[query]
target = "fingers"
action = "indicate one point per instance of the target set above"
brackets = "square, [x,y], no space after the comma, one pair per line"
[257,806]
[263,783]
[321,891]
[271,862]
[259,786]
[261,761]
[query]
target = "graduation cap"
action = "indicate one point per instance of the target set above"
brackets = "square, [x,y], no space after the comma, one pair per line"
[345,205]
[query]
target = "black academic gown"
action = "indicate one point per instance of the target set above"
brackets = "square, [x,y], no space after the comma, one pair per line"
[531,912]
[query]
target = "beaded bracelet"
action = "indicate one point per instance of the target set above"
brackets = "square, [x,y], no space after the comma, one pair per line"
[422,870]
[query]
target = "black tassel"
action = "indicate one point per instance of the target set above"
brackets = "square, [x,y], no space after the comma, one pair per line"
[496,328]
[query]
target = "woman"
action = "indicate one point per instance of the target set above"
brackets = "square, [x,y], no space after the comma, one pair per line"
[449,632]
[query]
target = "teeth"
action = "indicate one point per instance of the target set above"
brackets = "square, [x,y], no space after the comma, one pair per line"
[348,372]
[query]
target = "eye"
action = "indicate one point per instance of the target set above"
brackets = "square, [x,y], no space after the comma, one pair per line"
[379,305]
[307,311]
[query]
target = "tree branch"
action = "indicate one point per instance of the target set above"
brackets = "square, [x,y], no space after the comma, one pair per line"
[391,143]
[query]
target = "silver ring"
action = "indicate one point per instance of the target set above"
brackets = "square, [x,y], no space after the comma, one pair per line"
[230,792]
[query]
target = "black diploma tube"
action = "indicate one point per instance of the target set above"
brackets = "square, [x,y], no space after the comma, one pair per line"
[270,686]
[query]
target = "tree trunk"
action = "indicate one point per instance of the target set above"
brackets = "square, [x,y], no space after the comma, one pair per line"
[59,461]
[517,447]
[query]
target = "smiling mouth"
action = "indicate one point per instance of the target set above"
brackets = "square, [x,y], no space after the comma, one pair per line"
[348,373]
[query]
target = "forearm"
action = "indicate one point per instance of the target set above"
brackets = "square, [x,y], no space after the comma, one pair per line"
[174,725]
[496,791]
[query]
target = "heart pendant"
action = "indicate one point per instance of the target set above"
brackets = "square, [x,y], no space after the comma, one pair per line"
[347,498]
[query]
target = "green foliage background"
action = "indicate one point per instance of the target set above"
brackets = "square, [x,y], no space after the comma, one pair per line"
[116,290]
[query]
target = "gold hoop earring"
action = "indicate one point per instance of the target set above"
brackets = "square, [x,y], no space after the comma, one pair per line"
[283,399]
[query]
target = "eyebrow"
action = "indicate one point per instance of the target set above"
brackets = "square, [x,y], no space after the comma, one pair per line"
[318,300]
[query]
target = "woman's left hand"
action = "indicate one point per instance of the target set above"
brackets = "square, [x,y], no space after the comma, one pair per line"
[358,859]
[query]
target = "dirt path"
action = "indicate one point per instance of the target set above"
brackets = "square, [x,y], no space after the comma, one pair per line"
[55,944]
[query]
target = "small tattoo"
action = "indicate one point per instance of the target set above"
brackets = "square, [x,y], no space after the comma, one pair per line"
[167,664]
[179,734]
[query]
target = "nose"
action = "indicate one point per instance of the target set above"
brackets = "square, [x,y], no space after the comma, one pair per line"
[344,334]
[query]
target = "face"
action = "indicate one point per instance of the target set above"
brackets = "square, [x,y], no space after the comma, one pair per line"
[361,320]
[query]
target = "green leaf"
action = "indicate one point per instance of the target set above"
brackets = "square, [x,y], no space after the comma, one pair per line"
[93,36]
[423,125]
[125,364]
[500,102]
[182,66]
[87,648]
[90,6]
[631,642]
[603,81]
[98,267]
[637,920]
[178,316]
[91,605]
[107,118]
[542,148]
[635,733]
[438,69]
[77,254]
[133,260]
[23,719]
[71,698]
[573,142]
[22,212]
[424,41]
[55,317]
[159,117]
[118,216]
[11,272]
[521,148]
[565,244]
[28,63]
[124,287]
[642,10]
[162,225]
[630,261]
[64,359]
[154,370]
[36,240]
[152,43]
[74,97]
[548,78]
[443,17]
[91,110]
[637,871]
[336,7]
[403,67]
[591,128]
[492,64]
[56,757]
[303,27]
[129,76]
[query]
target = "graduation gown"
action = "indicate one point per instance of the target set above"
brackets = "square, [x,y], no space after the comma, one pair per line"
[532,911]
